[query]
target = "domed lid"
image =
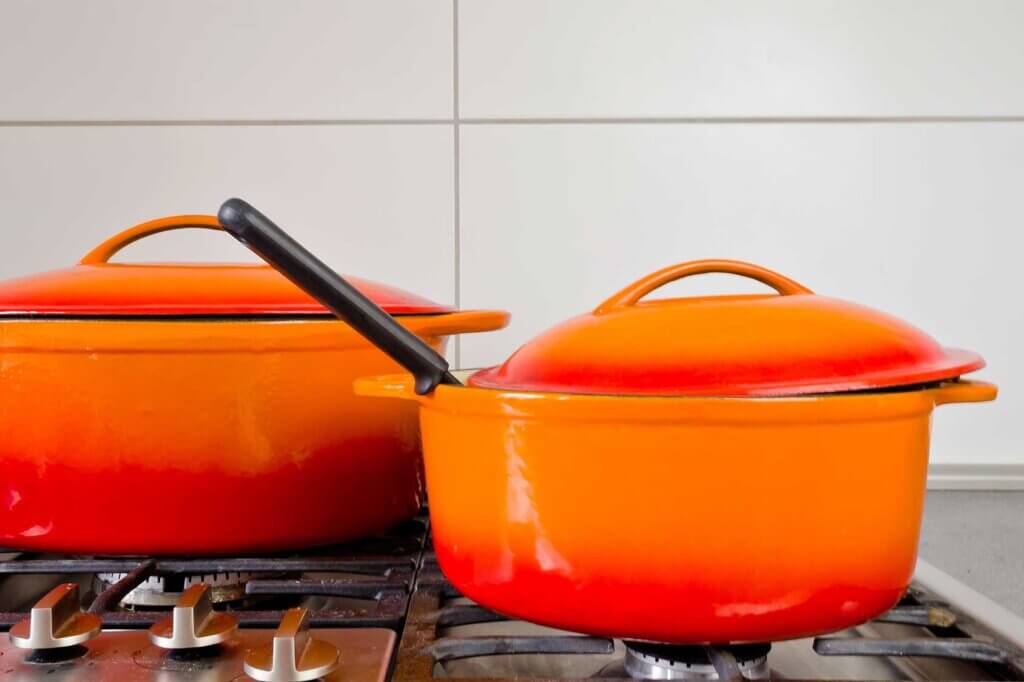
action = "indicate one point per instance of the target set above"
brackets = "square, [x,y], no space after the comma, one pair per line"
[96,287]
[752,345]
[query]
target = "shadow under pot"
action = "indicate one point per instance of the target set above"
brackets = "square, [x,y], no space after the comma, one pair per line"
[692,470]
[199,408]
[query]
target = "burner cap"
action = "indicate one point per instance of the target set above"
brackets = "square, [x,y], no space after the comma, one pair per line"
[164,591]
[649,661]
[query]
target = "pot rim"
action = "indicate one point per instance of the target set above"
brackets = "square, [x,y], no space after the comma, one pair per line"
[219,334]
[805,409]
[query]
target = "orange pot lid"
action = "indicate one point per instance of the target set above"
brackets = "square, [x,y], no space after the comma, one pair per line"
[96,287]
[750,345]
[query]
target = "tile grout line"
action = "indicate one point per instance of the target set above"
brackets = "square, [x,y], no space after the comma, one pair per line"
[214,123]
[458,121]
[457,195]
[735,120]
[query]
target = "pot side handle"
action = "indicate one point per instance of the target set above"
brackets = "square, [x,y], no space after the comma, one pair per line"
[105,251]
[401,386]
[458,322]
[964,392]
[632,294]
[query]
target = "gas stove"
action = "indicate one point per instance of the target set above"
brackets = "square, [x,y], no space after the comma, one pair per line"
[380,609]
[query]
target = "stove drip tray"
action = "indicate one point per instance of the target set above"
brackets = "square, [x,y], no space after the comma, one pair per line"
[647,661]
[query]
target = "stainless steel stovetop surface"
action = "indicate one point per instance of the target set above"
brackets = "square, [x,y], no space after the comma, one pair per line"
[128,656]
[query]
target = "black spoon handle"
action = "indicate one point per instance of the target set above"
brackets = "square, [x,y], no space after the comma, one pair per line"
[273,244]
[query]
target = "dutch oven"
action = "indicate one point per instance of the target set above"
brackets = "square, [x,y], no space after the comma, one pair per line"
[199,408]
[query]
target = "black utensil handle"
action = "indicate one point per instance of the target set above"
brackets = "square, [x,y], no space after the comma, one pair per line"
[273,244]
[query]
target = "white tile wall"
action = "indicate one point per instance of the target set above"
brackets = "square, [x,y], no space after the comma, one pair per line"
[225,59]
[872,149]
[741,58]
[373,200]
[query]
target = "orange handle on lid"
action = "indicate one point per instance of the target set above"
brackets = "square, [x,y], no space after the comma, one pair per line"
[106,250]
[645,285]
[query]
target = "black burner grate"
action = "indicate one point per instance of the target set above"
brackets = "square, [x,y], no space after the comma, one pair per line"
[384,568]
[421,649]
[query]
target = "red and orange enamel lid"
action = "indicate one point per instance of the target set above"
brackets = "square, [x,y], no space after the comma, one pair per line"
[792,343]
[97,287]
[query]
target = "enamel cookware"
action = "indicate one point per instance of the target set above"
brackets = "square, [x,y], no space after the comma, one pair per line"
[694,470]
[199,408]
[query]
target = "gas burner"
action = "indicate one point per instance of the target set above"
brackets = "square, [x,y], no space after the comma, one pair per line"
[646,661]
[165,591]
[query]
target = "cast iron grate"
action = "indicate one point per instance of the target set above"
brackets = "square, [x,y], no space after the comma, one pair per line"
[421,648]
[379,569]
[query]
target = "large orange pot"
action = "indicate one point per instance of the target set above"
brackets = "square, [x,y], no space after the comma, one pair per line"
[697,470]
[160,409]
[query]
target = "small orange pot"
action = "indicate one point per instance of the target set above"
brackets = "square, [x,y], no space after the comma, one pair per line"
[697,470]
[198,409]
[680,520]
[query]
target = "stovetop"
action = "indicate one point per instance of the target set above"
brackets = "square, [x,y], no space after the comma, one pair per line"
[380,609]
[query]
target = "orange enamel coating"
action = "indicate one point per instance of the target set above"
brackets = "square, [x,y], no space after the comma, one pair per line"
[632,294]
[202,437]
[756,345]
[185,435]
[103,252]
[683,520]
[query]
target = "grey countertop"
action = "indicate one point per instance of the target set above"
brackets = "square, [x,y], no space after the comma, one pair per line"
[978,538]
